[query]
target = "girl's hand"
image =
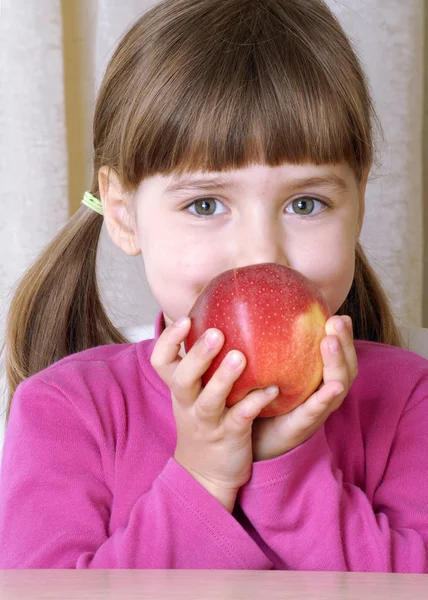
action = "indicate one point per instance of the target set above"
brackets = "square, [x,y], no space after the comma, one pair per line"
[214,443]
[275,436]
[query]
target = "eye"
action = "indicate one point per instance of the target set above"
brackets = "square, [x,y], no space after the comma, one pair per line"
[205,207]
[305,206]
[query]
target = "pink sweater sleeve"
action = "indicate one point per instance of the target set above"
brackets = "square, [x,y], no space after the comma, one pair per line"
[55,503]
[308,518]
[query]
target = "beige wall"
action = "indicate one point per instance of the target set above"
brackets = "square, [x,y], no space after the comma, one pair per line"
[77,118]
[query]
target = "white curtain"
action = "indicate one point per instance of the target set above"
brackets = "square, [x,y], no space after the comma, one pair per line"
[43,102]
[33,137]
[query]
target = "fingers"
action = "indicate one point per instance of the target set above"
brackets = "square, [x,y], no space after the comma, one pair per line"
[186,382]
[344,330]
[165,356]
[338,351]
[309,416]
[340,370]
[251,406]
[184,375]
[212,400]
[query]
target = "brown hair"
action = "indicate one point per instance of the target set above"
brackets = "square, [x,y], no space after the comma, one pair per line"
[204,85]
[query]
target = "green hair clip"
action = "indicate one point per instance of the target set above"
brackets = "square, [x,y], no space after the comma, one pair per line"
[92,202]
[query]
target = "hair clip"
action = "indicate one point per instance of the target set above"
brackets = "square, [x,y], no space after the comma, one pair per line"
[93,203]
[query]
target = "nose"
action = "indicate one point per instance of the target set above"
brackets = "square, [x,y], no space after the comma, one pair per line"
[260,241]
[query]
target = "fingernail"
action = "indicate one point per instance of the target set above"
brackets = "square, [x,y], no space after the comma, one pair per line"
[333,344]
[272,390]
[211,338]
[234,360]
[339,325]
[181,322]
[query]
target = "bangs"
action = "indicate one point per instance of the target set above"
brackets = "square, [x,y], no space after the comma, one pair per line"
[250,90]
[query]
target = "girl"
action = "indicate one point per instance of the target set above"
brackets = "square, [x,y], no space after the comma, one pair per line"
[225,134]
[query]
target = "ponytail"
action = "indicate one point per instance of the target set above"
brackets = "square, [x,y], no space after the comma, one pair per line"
[56,309]
[368,306]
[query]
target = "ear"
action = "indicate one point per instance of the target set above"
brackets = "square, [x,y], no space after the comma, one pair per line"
[118,216]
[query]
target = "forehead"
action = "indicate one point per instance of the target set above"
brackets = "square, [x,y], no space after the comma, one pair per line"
[338,176]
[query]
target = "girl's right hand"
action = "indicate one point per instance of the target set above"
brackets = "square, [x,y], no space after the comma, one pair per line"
[214,443]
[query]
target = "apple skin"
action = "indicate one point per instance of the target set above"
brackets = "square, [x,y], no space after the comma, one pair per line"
[276,317]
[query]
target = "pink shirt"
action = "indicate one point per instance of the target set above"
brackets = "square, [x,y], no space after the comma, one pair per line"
[88,477]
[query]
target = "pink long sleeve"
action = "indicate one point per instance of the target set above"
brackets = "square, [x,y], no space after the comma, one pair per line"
[88,478]
[56,502]
[312,510]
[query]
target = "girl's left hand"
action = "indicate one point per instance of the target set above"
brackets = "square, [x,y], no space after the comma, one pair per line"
[274,436]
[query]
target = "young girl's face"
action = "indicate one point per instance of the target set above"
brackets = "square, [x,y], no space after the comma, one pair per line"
[192,229]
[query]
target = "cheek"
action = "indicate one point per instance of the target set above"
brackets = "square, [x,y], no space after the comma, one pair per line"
[335,279]
[175,260]
[334,268]
[175,271]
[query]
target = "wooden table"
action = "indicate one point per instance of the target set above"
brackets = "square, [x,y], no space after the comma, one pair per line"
[207,585]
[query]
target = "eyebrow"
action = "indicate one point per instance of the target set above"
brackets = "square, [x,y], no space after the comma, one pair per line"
[330,180]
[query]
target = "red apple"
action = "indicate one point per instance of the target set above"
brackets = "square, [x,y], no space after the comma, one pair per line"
[276,317]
